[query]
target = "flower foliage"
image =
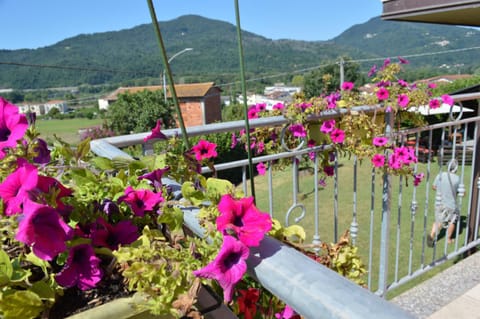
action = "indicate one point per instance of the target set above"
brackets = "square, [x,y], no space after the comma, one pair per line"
[349,122]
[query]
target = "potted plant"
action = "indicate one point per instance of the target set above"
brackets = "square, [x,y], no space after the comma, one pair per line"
[350,123]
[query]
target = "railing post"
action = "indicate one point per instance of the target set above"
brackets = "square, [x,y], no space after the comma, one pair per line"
[473,221]
[385,233]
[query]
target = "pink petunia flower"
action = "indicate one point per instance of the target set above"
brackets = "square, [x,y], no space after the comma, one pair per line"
[347,86]
[141,200]
[13,125]
[403,100]
[156,133]
[447,99]
[327,126]
[303,106]
[204,150]
[82,268]
[382,94]
[243,219]
[432,85]
[228,267]
[278,106]
[434,104]
[298,130]
[337,136]
[14,190]
[286,313]
[380,141]
[43,228]
[261,107]
[252,112]
[261,168]
[378,160]
[234,141]
[403,60]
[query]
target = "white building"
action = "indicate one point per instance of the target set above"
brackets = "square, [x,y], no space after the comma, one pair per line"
[44,108]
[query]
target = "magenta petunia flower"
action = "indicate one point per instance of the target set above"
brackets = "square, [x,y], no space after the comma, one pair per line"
[14,190]
[43,229]
[403,100]
[252,112]
[378,160]
[112,236]
[204,150]
[372,71]
[298,130]
[386,62]
[417,178]
[286,313]
[394,162]
[329,170]
[140,200]
[434,104]
[327,126]
[243,219]
[380,141]
[402,83]
[82,268]
[155,177]
[403,60]
[278,106]
[332,100]
[13,125]
[432,85]
[382,94]
[228,267]
[303,106]
[156,133]
[42,151]
[447,99]
[337,136]
[261,168]
[261,107]
[347,86]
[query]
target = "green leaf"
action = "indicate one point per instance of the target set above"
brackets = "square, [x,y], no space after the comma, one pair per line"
[21,304]
[83,148]
[102,163]
[43,290]
[189,192]
[31,257]
[6,269]
[217,187]
[295,231]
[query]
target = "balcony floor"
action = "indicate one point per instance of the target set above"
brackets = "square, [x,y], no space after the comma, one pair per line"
[453,293]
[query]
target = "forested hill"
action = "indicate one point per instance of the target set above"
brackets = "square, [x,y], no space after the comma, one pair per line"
[132,55]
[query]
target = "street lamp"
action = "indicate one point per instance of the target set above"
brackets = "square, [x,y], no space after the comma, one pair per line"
[170,60]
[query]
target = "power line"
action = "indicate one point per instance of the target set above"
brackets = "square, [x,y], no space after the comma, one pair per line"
[299,71]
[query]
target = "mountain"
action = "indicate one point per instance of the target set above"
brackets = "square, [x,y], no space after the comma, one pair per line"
[131,56]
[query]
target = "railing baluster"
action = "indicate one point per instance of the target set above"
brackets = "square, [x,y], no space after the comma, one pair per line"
[354,224]
[372,214]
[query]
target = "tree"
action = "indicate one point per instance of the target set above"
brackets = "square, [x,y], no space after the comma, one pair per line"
[327,79]
[139,112]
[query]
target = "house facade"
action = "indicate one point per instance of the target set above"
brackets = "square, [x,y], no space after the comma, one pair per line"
[200,103]
[44,107]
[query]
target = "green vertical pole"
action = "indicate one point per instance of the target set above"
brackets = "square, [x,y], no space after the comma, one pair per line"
[244,94]
[169,74]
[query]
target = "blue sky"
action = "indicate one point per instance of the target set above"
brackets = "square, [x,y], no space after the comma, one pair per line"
[37,23]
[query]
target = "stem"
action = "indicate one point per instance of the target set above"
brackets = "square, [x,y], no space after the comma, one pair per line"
[244,94]
[168,72]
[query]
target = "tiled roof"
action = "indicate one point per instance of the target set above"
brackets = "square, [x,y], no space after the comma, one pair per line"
[182,90]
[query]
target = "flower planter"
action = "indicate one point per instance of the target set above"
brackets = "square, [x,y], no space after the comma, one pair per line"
[127,308]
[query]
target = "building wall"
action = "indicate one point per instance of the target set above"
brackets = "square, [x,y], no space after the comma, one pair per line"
[213,107]
[191,112]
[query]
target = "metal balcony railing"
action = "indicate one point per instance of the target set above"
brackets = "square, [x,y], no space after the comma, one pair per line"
[390,227]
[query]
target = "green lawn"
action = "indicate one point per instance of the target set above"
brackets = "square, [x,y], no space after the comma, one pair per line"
[66,129]
[406,230]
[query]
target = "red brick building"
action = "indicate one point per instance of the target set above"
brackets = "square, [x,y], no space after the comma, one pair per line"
[200,102]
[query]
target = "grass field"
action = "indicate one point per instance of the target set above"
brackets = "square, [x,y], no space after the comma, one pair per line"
[66,129]
[407,252]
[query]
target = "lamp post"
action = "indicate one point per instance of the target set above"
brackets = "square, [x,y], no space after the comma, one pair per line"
[170,60]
